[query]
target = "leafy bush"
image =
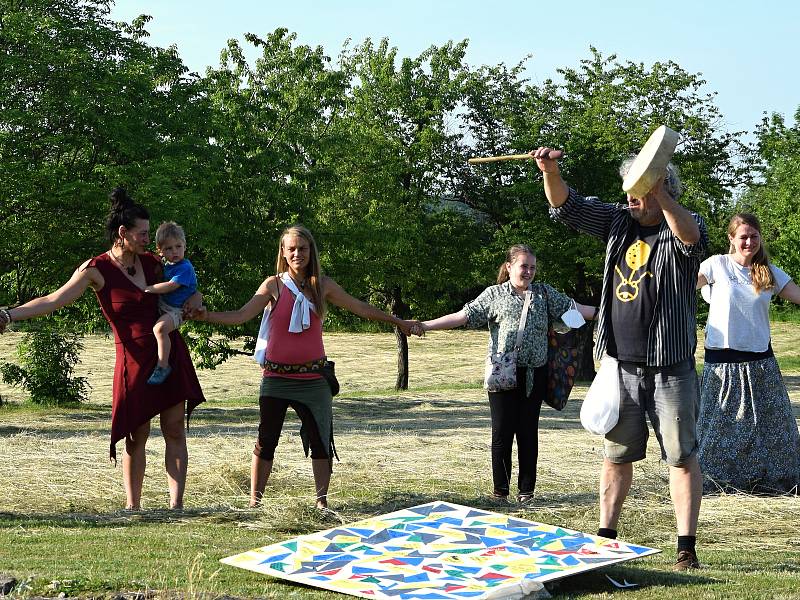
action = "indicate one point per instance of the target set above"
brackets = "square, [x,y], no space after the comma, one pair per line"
[48,358]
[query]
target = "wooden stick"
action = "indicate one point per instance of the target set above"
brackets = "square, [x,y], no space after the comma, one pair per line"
[486,159]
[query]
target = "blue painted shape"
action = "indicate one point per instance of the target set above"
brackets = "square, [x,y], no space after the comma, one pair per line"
[409,560]
[378,538]
[418,578]
[322,557]
[356,570]
[490,541]
[475,530]
[472,540]
[521,524]
[423,509]
[337,532]
[393,533]
[275,558]
[637,549]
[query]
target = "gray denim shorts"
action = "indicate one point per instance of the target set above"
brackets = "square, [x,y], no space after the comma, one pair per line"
[671,399]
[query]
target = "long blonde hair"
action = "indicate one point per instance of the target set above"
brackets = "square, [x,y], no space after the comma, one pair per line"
[760,272]
[313,272]
[511,255]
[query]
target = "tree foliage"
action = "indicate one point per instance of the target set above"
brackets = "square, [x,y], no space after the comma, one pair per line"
[86,105]
[775,196]
[369,152]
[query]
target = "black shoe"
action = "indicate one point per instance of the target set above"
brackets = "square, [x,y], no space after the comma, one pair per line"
[498,497]
[687,559]
[525,498]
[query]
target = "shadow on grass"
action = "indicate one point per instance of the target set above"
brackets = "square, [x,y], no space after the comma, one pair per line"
[363,412]
[439,414]
[127,518]
[392,501]
[597,582]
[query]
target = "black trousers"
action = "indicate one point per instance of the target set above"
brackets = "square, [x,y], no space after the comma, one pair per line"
[516,415]
[273,413]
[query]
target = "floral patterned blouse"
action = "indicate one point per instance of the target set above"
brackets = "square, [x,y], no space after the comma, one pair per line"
[501,308]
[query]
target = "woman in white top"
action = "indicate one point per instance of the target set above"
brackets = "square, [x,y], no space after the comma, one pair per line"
[747,432]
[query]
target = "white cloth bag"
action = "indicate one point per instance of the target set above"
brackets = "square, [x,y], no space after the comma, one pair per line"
[600,408]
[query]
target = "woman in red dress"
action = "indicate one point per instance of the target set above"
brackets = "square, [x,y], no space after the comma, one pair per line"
[118,278]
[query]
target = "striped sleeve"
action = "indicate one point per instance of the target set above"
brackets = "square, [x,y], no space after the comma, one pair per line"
[585,214]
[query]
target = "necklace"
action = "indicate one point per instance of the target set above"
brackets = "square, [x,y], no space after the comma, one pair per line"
[131,270]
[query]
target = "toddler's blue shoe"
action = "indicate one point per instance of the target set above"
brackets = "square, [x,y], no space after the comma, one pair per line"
[159,375]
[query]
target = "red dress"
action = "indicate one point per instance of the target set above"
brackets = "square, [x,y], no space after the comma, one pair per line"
[132,313]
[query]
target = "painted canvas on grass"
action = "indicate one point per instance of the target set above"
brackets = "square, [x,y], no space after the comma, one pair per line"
[436,551]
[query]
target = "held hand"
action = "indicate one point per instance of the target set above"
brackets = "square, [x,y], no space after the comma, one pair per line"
[404,326]
[417,328]
[196,314]
[193,302]
[546,159]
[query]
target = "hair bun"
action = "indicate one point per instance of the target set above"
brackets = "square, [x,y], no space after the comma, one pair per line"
[120,199]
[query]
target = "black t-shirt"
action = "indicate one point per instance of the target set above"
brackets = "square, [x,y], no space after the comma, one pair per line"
[634,295]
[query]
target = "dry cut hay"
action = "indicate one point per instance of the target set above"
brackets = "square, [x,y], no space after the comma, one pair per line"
[397,449]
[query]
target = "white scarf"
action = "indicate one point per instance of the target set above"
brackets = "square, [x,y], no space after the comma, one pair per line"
[300,319]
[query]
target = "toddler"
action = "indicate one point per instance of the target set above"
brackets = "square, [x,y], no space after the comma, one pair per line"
[180,282]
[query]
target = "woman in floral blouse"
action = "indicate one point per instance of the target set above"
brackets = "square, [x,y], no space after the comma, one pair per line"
[515,412]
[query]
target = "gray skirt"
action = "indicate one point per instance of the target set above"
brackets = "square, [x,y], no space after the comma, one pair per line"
[312,393]
[747,433]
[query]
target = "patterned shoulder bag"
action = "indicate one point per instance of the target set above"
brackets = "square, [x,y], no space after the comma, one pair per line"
[501,367]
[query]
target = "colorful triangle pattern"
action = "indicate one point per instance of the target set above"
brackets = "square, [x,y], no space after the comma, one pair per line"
[436,551]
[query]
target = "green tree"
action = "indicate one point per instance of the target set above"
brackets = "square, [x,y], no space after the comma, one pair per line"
[85,105]
[393,238]
[775,196]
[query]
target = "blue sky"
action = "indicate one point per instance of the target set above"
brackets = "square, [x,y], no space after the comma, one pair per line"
[746,51]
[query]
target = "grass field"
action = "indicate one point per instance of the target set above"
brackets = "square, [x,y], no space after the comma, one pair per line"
[61,529]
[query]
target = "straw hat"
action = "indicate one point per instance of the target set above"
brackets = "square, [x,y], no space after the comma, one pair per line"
[651,162]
